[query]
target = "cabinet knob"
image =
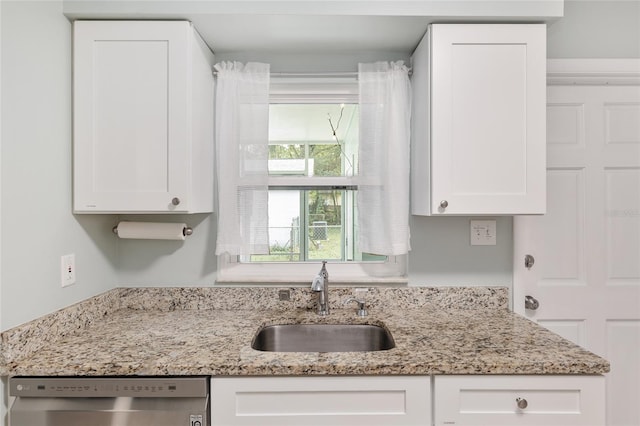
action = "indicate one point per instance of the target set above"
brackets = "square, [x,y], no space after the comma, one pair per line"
[444,204]
[175,201]
[522,403]
[529,261]
[531,303]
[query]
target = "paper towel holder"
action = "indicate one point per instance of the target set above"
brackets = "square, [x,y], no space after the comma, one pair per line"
[186,231]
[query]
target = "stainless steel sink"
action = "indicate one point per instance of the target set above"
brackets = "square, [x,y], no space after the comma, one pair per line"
[323,338]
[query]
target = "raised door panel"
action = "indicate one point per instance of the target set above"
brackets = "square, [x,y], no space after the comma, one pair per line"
[130,115]
[622,226]
[348,401]
[573,330]
[562,256]
[488,119]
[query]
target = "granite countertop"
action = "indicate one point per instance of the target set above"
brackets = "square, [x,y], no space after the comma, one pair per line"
[202,332]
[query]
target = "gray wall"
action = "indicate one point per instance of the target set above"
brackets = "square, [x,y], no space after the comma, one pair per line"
[596,29]
[441,253]
[37,226]
[36,221]
[192,262]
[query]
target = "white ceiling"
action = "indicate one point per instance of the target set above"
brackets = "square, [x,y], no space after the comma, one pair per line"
[289,26]
[287,33]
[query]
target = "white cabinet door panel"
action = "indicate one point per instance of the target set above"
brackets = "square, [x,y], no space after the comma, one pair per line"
[348,401]
[493,400]
[485,121]
[130,100]
[139,118]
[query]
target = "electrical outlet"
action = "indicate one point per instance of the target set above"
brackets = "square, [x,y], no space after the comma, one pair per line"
[68,269]
[483,232]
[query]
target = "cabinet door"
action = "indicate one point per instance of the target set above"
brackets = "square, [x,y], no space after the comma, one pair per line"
[488,119]
[130,116]
[519,400]
[338,400]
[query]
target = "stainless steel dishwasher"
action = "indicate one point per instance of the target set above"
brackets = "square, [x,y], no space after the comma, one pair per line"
[108,401]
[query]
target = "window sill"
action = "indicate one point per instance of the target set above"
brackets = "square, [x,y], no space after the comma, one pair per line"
[349,273]
[334,281]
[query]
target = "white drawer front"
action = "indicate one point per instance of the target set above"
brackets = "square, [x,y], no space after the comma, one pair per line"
[349,401]
[493,400]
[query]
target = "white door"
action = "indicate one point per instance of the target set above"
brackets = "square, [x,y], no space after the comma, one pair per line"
[586,275]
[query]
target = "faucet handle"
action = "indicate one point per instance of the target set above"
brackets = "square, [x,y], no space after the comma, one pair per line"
[318,283]
[362,310]
[323,270]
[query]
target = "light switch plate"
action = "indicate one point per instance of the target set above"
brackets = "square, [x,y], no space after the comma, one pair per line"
[483,232]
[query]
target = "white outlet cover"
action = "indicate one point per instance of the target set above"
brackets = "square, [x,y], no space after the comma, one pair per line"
[483,233]
[68,270]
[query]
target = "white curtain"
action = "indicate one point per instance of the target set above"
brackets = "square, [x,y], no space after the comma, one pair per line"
[383,189]
[242,150]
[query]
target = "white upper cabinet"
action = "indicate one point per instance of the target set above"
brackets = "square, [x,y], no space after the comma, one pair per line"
[478,123]
[143,118]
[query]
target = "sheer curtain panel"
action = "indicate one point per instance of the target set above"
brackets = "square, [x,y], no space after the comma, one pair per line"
[242,150]
[383,190]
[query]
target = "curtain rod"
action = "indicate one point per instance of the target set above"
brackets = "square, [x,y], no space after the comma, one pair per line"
[311,74]
[315,74]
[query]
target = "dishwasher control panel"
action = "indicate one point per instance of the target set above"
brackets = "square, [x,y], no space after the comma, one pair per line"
[86,387]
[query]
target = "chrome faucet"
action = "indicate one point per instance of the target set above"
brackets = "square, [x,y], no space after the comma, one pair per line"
[320,285]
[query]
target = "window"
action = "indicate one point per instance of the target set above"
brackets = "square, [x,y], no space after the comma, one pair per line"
[313,157]
[309,218]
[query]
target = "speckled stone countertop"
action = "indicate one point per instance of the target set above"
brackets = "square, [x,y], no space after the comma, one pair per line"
[208,331]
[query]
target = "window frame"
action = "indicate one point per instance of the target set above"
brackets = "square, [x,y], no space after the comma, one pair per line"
[305,90]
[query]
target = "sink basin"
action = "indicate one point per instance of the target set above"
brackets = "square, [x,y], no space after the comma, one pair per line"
[323,338]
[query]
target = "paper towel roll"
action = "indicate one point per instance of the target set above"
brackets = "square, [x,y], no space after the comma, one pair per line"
[151,230]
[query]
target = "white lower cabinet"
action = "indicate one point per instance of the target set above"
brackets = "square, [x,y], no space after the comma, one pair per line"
[332,400]
[519,400]
[489,400]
